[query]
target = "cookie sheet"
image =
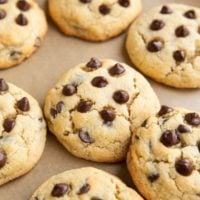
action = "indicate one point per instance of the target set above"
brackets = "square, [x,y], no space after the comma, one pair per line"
[39,73]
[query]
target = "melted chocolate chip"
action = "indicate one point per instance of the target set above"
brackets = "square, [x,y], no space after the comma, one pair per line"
[155,45]
[85,1]
[104,9]
[59,106]
[170,138]
[2,159]
[157,25]
[192,119]
[60,190]
[107,115]
[3,85]
[144,123]
[69,90]
[3,1]
[23,5]
[23,104]
[179,55]
[164,110]
[84,106]
[99,82]
[124,3]
[190,14]
[94,63]
[153,177]
[53,112]
[116,70]
[8,124]
[2,14]
[182,31]
[84,189]
[21,20]
[183,129]
[184,167]
[84,136]
[121,96]
[166,10]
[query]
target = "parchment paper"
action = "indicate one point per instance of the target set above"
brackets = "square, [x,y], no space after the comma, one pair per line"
[40,72]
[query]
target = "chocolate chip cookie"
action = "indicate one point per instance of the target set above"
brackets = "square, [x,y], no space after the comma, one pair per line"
[164,44]
[93,20]
[85,183]
[164,157]
[22,27]
[22,132]
[94,108]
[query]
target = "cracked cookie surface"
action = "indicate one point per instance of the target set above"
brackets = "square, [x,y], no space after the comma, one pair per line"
[164,157]
[85,183]
[94,108]
[94,20]
[171,48]
[22,132]
[22,27]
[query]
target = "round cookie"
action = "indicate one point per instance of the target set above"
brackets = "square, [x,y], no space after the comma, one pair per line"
[165,49]
[94,20]
[164,157]
[22,27]
[85,183]
[94,108]
[22,132]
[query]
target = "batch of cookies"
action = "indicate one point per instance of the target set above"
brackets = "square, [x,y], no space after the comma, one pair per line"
[104,110]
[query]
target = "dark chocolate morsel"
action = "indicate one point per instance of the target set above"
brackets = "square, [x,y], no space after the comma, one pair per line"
[164,110]
[3,85]
[84,189]
[184,167]
[60,190]
[170,138]
[23,104]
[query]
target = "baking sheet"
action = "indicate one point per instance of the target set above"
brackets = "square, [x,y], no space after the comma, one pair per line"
[39,73]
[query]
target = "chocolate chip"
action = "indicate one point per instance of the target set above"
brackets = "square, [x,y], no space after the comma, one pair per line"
[96,198]
[60,190]
[144,123]
[23,5]
[15,55]
[116,70]
[107,115]
[84,106]
[59,106]
[2,159]
[153,177]
[155,45]
[104,9]
[8,124]
[84,189]
[3,1]
[192,119]
[184,167]
[166,10]
[69,90]
[2,14]
[164,110]
[157,25]
[84,136]
[99,82]
[21,20]
[182,31]
[198,145]
[3,85]
[190,14]
[121,96]
[170,138]
[179,55]
[94,63]
[23,104]
[53,112]
[124,3]
[85,1]
[183,129]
